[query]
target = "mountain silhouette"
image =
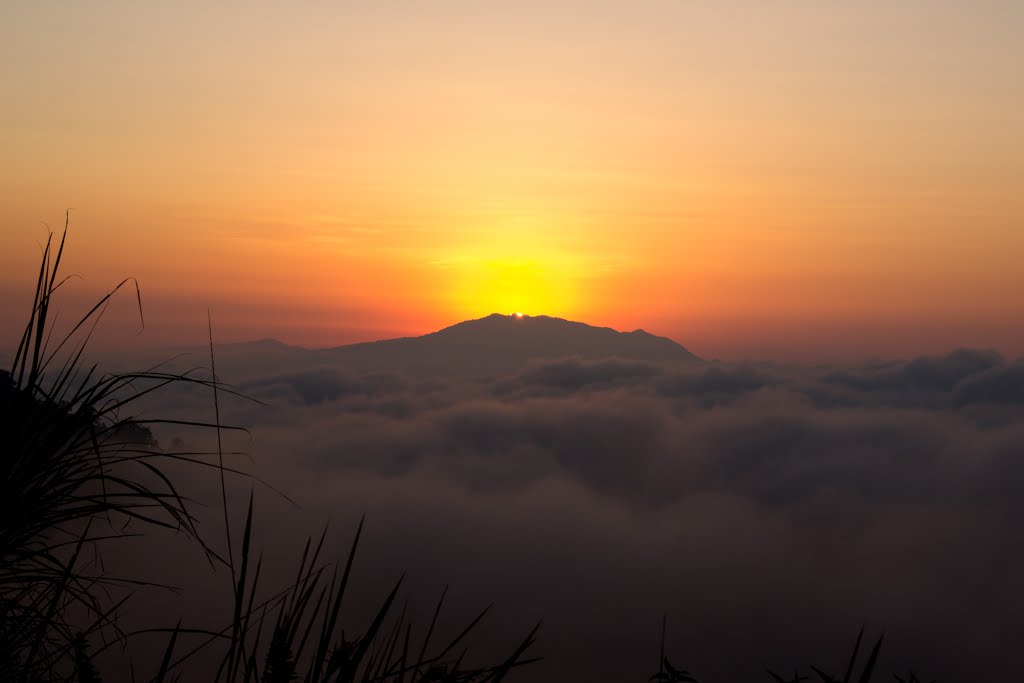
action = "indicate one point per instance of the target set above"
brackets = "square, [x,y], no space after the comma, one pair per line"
[500,343]
[488,346]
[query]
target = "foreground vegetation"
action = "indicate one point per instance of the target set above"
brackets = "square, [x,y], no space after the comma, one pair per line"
[79,471]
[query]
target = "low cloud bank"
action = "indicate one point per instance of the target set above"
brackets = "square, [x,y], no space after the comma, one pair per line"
[769,510]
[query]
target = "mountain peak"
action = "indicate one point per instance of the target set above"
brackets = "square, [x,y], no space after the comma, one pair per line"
[502,342]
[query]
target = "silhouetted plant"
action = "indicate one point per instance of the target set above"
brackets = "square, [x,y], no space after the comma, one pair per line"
[304,638]
[668,673]
[911,678]
[869,666]
[73,461]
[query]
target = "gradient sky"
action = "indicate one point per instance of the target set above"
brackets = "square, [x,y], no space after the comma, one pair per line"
[787,180]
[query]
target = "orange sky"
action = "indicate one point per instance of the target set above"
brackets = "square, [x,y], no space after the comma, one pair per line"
[797,180]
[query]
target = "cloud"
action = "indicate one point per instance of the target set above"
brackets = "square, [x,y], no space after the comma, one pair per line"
[925,376]
[997,385]
[318,386]
[769,510]
[575,374]
[714,383]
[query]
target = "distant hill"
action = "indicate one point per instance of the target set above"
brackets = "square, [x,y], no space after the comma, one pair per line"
[500,343]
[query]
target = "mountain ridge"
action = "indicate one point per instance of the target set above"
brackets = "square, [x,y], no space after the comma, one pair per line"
[499,342]
[493,345]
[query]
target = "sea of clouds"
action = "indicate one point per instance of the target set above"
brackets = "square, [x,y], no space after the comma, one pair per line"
[770,511]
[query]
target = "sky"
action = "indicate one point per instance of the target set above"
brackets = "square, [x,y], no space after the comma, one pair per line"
[788,181]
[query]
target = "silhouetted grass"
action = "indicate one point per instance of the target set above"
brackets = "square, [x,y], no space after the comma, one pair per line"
[669,673]
[294,634]
[78,471]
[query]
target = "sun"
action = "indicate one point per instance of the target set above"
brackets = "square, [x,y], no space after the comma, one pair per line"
[482,281]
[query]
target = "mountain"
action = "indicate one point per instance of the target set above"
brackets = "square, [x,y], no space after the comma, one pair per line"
[500,343]
[489,346]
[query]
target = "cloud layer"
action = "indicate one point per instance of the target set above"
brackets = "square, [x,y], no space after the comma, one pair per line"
[770,511]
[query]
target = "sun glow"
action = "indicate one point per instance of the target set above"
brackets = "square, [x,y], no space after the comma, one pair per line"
[498,279]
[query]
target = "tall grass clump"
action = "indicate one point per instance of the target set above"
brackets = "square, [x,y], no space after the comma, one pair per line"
[79,470]
[858,669]
[295,634]
[76,470]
